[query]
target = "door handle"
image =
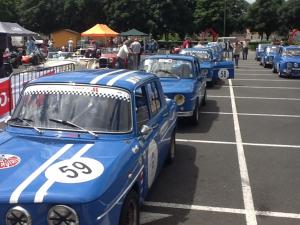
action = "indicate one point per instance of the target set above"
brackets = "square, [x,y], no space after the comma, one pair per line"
[155,126]
[166,114]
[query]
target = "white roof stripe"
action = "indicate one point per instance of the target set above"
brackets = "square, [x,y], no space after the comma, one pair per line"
[100,77]
[18,191]
[115,79]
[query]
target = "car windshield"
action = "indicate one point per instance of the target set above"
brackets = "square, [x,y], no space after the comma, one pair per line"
[201,55]
[271,49]
[57,107]
[292,52]
[165,67]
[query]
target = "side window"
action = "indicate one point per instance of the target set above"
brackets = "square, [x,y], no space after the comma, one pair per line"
[142,110]
[197,68]
[155,103]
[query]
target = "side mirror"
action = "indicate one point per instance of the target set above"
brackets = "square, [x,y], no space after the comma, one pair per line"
[146,130]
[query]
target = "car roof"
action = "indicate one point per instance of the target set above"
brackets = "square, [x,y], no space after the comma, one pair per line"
[125,79]
[173,56]
[291,46]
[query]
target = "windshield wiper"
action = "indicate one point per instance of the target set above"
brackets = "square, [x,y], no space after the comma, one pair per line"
[169,73]
[66,122]
[24,120]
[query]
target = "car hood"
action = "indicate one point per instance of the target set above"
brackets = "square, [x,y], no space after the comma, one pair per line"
[205,65]
[39,169]
[173,86]
[292,59]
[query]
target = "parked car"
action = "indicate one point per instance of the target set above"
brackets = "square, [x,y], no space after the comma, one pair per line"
[181,80]
[268,55]
[85,148]
[287,61]
[259,50]
[210,66]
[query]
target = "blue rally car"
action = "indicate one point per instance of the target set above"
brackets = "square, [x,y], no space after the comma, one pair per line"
[84,148]
[267,57]
[287,61]
[210,66]
[259,51]
[181,80]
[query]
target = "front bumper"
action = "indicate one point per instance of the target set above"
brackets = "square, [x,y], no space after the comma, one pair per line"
[185,114]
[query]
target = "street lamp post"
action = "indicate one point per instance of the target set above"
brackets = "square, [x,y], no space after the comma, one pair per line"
[224,19]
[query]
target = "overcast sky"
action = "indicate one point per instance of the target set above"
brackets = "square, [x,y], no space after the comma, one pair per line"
[250,1]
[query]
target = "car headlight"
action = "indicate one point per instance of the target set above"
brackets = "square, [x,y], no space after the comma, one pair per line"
[61,214]
[204,72]
[18,215]
[179,99]
[296,64]
[289,65]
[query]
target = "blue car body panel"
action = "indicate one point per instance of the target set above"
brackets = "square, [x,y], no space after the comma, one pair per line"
[287,65]
[217,69]
[35,167]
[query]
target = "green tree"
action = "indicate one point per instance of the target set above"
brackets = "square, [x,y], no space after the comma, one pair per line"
[211,14]
[289,16]
[8,10]
[263,16]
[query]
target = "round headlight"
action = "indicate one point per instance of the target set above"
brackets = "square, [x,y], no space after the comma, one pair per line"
[204,72]
[289,65]
[179,99]
[18,215]
[296,64]
[61,214]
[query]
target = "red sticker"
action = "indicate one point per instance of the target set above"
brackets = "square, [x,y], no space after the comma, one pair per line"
[8,161]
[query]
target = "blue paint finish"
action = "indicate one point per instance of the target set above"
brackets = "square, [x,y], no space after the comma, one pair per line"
[98,200]
[286,64]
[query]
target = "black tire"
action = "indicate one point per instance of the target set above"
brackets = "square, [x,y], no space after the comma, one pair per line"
[209,83]
[203,102]
[195,116]
[130,213]
[171,153]
[274,69]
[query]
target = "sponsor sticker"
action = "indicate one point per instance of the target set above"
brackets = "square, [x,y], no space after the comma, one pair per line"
[8,161]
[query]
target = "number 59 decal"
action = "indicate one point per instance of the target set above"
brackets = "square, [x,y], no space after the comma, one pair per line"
[75,170]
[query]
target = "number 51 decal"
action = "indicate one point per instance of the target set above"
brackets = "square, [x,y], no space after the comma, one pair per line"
[75,171]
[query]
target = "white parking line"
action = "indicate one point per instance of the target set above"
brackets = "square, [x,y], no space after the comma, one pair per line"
[246,188]
[234,143]
[261,87]
[271,80]
[260,98]
[254,114]
[221,209]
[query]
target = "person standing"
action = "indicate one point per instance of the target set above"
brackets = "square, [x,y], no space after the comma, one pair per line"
[236,53]
[123,54]
[136,50]
[70,45]
[186,43]
[245,50]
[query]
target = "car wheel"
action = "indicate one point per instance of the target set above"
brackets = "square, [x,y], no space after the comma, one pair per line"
[195,116]
[130,214]
[209,83]
[171,153]
[203,102]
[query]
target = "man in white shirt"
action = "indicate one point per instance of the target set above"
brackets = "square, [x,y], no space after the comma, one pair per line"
[123,54]
[136,50]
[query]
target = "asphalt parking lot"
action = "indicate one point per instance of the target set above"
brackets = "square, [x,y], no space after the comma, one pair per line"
[240,165]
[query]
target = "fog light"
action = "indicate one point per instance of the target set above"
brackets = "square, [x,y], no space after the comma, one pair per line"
[61,214]
[179,99]
[18,215]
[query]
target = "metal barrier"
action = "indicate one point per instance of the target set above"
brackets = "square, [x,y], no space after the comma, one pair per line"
[19,80]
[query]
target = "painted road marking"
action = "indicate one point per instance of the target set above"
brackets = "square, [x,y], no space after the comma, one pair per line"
[16,194]
[254,114]
[272,80]
[221,209]
[246,188]
[234,143]
[260,98]
[286,88]
[147,217]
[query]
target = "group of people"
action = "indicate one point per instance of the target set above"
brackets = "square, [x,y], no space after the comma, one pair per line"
[237,48]
[132,49]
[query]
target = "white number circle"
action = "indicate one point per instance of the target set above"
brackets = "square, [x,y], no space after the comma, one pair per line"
[152,162]
[223,74]
[75,170]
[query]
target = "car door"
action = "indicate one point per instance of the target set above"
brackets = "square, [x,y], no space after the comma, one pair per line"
[200,80]
[277,58]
